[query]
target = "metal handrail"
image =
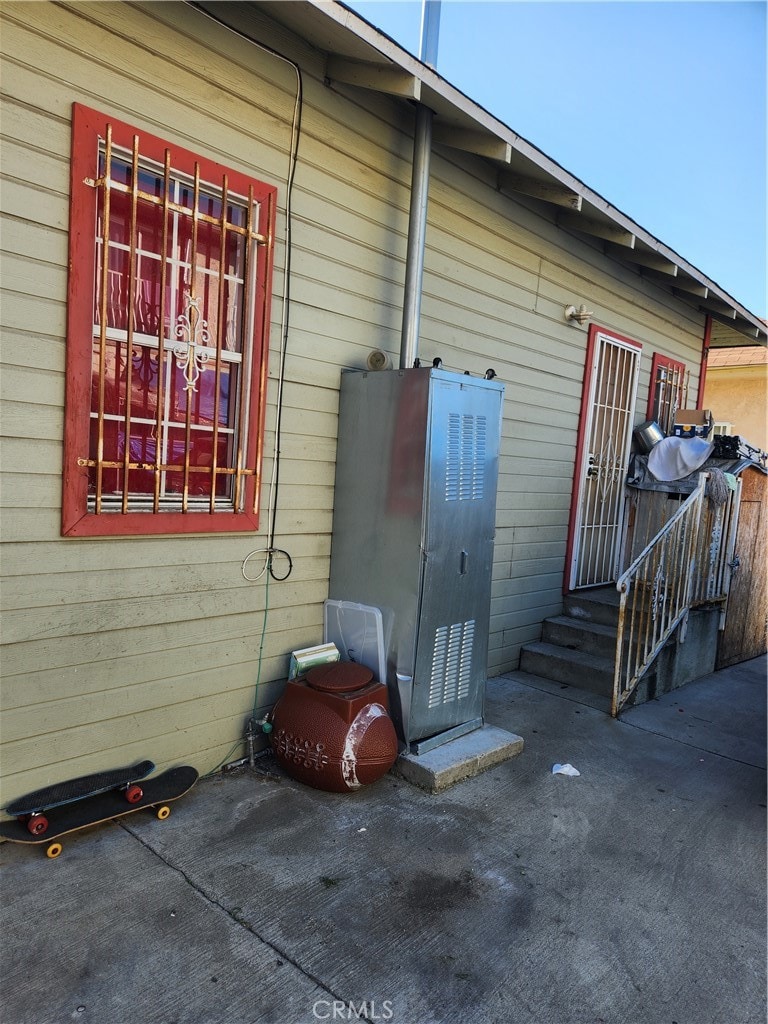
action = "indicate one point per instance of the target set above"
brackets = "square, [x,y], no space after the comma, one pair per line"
[683,565]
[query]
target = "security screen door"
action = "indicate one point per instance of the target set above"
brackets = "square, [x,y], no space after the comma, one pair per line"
[602,464]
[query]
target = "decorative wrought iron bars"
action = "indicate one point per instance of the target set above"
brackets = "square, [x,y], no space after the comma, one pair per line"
[174,356]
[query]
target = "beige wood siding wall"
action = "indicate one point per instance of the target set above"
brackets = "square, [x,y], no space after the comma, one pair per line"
[116,650]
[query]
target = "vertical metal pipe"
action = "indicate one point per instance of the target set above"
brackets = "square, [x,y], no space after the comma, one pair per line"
[417,220]
[430,32]
[417,231]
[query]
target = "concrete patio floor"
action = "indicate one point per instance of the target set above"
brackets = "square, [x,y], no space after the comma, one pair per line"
[633,894]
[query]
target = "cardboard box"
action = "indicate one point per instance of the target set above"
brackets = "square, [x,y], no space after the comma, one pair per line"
[692,423]
[305,659]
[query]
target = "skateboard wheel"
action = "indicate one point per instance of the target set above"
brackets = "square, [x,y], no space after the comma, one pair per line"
[37,824]
[53,850]
[133,793]
[163,812]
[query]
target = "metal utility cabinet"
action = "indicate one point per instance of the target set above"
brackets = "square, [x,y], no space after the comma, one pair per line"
[413,528]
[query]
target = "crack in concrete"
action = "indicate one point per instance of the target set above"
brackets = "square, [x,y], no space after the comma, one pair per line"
[640,728]
[694,746]
[241,922]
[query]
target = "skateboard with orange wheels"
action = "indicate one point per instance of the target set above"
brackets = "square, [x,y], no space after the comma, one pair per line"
[94,808]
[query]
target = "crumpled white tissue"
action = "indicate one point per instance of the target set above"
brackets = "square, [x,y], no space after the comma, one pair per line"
[565,769]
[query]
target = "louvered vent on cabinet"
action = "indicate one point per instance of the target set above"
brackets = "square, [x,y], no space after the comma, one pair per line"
[451,663]
[466,454]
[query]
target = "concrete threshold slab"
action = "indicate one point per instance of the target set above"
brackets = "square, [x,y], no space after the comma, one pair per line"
[460,759]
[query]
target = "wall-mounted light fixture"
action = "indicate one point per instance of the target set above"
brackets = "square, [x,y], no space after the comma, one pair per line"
[378,360]
[580,315]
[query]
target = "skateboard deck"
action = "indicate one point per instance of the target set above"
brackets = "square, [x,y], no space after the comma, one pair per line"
[77,789]
[101,807]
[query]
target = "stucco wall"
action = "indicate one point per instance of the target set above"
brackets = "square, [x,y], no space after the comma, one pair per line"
[739,395]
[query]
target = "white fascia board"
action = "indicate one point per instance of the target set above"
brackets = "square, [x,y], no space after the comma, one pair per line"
[448,101]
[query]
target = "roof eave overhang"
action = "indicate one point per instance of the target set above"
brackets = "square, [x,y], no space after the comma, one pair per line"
[359,55]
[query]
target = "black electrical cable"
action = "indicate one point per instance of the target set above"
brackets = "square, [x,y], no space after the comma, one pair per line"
[270,564]
[294,153]
[271,551]
[287,300]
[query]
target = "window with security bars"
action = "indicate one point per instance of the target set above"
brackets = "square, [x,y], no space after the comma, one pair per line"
[668,391]
[170,265]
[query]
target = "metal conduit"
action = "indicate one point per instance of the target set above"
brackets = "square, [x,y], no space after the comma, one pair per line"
[417,221]
[417,232]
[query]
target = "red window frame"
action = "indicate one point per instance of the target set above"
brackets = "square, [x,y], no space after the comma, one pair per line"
[89,130]
[676,372]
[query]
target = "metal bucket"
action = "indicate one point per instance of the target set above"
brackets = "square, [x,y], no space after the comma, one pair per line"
[647,435]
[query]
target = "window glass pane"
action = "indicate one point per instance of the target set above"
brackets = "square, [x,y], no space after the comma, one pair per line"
[208,235]
[207,292]
[114,379]
[233,314]
[149,227]
[110,478]
[144,383]
[119,217]
[225,483]
[207,261]
[121,171]
[202,401]
[117,290]
[148,244]
[209,206]
[178,394]
[181,291]
[142,448]
[149,214]
[209,247]
[201,456]
[146,316]
[234,252]
[237,215]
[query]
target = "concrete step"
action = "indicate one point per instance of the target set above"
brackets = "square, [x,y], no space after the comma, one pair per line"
[576,694]
[600,606]
[586,671]
[580,635]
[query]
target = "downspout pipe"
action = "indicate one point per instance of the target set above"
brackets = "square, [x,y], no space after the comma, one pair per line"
[417,221]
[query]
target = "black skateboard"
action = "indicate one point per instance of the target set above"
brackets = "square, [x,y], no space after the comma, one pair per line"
[31,807]
[93,808]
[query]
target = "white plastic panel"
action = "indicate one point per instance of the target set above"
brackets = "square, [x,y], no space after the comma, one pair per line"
[358,632]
